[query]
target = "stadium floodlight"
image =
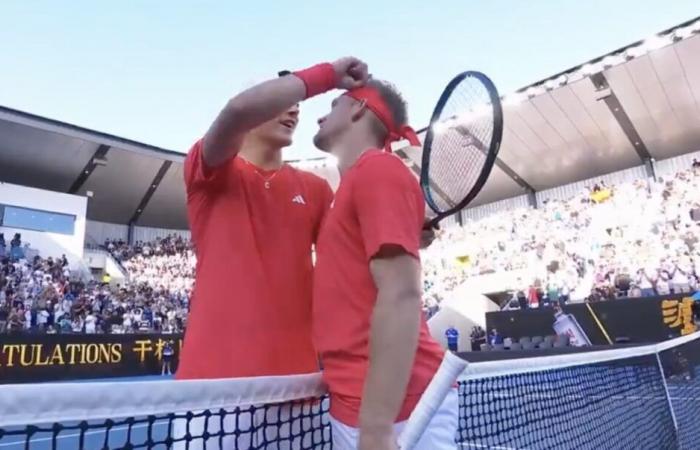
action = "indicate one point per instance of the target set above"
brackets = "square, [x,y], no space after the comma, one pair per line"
[513,99]
[588,69]
[576,75]
[533,91]
[99,161]
[612,60]
[684,33]
[562,79]
[474,115]
[657,42]
[688,31]
[695,26]
[550,84]
[440,127]
[635,52]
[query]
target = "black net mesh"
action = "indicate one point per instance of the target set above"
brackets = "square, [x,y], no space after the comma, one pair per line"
[461,139]
[681,365]
[645,400]
[301,425]
[613,405]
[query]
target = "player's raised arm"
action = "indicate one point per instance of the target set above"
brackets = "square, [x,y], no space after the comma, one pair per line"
[267,100]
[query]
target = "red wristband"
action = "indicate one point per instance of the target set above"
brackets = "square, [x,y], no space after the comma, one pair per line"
[318,79]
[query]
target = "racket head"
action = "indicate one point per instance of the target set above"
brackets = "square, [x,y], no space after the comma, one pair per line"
[461,143]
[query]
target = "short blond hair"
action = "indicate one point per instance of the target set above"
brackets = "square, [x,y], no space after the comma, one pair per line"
[396,104]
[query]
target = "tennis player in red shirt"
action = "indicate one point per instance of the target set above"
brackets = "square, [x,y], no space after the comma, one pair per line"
[253,221]
[377,354]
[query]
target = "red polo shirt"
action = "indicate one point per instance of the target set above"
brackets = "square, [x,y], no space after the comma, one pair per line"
[250,314]
[378,202]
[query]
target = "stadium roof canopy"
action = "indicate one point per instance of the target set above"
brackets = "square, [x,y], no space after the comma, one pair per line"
[129,182]
[618,111]
[635,104]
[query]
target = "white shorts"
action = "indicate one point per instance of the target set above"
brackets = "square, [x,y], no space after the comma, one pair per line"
[439,435]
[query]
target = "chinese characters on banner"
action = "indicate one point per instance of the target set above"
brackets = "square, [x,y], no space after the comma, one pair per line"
[679,314]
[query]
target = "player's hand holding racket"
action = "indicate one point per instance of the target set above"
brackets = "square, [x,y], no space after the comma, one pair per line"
[428,234]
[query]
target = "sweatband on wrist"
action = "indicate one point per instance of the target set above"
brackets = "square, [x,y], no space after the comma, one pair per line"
[318,79]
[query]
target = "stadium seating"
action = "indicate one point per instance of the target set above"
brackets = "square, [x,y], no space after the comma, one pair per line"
[639,239]
[40,295]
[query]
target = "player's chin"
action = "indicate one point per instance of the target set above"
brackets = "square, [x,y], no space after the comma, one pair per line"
[282,139]
[321,142]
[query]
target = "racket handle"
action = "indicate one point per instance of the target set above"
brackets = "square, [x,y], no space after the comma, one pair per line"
[433,223]
[431,400]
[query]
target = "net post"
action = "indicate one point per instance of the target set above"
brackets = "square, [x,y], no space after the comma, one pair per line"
[668,396]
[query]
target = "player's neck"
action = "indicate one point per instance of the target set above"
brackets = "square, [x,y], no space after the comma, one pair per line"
[350,151]
[262,157]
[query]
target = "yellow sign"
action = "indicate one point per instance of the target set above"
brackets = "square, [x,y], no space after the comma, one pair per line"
[144,347]
[59,354]
[601,196]
[463,260]
[679,313]
[49,355]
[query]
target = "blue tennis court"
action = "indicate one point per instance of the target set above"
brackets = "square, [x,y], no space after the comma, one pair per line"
[119,436]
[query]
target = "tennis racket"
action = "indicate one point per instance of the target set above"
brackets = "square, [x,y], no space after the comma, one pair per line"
[461,144]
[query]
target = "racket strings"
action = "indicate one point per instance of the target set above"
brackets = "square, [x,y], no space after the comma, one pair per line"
[461,142]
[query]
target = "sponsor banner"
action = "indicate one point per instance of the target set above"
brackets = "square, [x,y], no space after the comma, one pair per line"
[634,320]
[45,357]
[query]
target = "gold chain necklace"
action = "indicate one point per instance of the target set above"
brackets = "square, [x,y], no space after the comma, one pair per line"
[266,180]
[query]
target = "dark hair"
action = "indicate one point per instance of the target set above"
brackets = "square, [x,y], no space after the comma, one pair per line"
[396,103]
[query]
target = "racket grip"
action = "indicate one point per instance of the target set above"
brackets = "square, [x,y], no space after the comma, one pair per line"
[433,223]
[431,400]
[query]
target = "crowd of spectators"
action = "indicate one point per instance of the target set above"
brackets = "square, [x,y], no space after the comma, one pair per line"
[633,239]
[15,249]
[166,263]
[39,295]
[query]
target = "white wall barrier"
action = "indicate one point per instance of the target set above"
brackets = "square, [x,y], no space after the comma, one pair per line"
[31,211]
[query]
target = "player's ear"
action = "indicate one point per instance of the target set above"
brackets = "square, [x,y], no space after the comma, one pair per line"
[359,111]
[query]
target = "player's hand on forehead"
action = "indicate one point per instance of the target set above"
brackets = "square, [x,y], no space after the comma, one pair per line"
[350,73]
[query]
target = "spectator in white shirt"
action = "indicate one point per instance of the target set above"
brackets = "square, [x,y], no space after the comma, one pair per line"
[680,281]
[90,323]
[645,284]
[42,317]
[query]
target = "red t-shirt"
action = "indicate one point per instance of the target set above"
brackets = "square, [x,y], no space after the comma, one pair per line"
[250,313]
[378,202]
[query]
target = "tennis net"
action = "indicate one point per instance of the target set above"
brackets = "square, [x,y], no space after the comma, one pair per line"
[645,397]
[288,412]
